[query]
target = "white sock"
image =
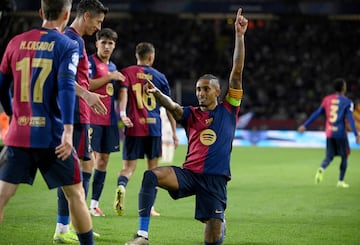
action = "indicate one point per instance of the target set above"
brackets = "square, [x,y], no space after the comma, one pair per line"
[143,234]
[60,228]
[94,204]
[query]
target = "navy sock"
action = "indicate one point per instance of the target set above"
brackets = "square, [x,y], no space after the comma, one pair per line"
[146,199]
[343,167]
[122,180]
[147,193]
[98,184]
[86,238]
[63,207]
[86,182]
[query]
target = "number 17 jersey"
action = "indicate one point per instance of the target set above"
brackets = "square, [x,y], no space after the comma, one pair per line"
[42,64]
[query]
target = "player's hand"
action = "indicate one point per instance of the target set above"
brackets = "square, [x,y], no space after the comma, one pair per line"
[94,101]
[117,76]
[301,129]
[241,23]
[176,141]
[63,151]
[149,87]
[127,121]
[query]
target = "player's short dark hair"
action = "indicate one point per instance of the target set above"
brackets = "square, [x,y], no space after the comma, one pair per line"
[53,8]
[338,84]
[143,49]
[94,7]
[107,33]
[213,79]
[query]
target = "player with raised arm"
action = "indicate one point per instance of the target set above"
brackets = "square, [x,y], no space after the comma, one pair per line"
[210,128]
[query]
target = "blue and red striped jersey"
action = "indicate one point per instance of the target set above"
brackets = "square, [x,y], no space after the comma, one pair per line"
[82,109]
[337,109]
[210,135]
[143,109]
[100,69]
[42,64]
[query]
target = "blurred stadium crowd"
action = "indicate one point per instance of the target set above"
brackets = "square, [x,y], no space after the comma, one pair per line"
[290,60]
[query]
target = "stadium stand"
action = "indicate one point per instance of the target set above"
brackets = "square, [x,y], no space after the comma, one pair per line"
[292,56]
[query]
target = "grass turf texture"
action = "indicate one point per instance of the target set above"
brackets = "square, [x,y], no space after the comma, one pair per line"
[272,199]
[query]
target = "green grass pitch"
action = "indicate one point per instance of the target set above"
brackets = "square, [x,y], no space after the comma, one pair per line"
[272,199]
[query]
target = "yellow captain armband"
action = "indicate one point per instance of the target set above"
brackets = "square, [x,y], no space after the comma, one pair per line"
[234,96]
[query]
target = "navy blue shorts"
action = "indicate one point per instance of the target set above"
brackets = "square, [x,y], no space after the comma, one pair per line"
[210,192]
[105,139]
[137,147]
[81,141]
[23,163]
[337,147]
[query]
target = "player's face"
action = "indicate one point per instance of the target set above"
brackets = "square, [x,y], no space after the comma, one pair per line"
[105,48]
[93,23]
[207,94]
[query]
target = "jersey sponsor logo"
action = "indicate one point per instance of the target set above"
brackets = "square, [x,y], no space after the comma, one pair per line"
[37,121]
[333,128]
[23,121]
[110,89]
[208,137]
[37,45]
[32,121]
[149,120]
